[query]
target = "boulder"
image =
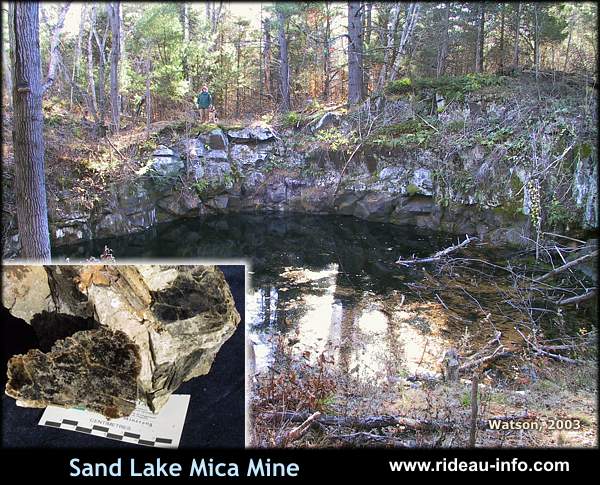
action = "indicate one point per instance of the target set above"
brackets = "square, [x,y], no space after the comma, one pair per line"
[328,120]
[153,327]
[217,140]
[25,291]
[251,134]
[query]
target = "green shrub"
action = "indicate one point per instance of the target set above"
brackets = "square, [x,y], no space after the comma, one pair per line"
[454,87]
[291,119]
[399,86]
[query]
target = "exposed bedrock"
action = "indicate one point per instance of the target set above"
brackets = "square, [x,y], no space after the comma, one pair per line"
[251,169]
[175,318]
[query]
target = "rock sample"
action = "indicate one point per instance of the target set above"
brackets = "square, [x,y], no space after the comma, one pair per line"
[176,317]
[97,369]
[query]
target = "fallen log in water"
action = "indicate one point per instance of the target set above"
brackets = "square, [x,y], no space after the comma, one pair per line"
[373,422]
[439,255]
[566,266]
[363,422]
[579,298]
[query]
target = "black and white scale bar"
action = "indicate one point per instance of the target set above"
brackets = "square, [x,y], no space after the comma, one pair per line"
[105,432]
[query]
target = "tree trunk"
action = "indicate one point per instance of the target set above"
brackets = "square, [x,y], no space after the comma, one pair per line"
[91,98]
[480,38]
[77,59]
[238,75]
[355,52]
[28,136]
[368,21]
[54,41]
[571,24]
[367,64]
[8,55]
[502,20]
[148,98]
[114,17]
[327,54]
[284,67]
[443,47]
[101,101]
[392,25]
[536,40]
[122,63]
[266,58]
[412,15]
[186,22]
[517,34]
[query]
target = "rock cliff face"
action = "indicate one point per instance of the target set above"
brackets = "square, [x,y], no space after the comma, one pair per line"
[117,333]
[255,169]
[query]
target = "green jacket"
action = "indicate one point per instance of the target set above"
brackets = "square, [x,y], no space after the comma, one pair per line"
[204,100]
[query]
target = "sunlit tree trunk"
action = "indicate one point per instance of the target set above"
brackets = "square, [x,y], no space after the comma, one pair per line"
[8,55]
[266,58]
[101,100]
[114,15]
[412,16]
[367,41]
[54,41]
[392,25]
[327,54]
[28,136]
[77,59]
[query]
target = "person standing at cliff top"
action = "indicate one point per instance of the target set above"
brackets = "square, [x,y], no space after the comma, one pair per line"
[204,102]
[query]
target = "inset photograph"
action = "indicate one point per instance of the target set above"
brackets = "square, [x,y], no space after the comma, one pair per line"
[148,354]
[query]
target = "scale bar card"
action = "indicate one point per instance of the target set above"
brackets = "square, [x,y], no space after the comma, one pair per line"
[142,427]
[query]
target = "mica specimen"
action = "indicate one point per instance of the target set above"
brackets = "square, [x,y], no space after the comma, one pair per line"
[100,360]
[177,317]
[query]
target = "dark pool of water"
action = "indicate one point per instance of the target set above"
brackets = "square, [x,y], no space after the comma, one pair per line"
[315,279]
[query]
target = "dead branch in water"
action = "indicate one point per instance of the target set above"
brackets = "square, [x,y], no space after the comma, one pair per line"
[579,298]
[297,432]
[498,353]
[538,350]
[565,267]
[439,255]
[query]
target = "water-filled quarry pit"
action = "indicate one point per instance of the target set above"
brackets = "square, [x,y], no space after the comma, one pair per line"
[335,326]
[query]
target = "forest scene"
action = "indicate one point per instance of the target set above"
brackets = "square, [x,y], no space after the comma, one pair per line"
[414,186]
